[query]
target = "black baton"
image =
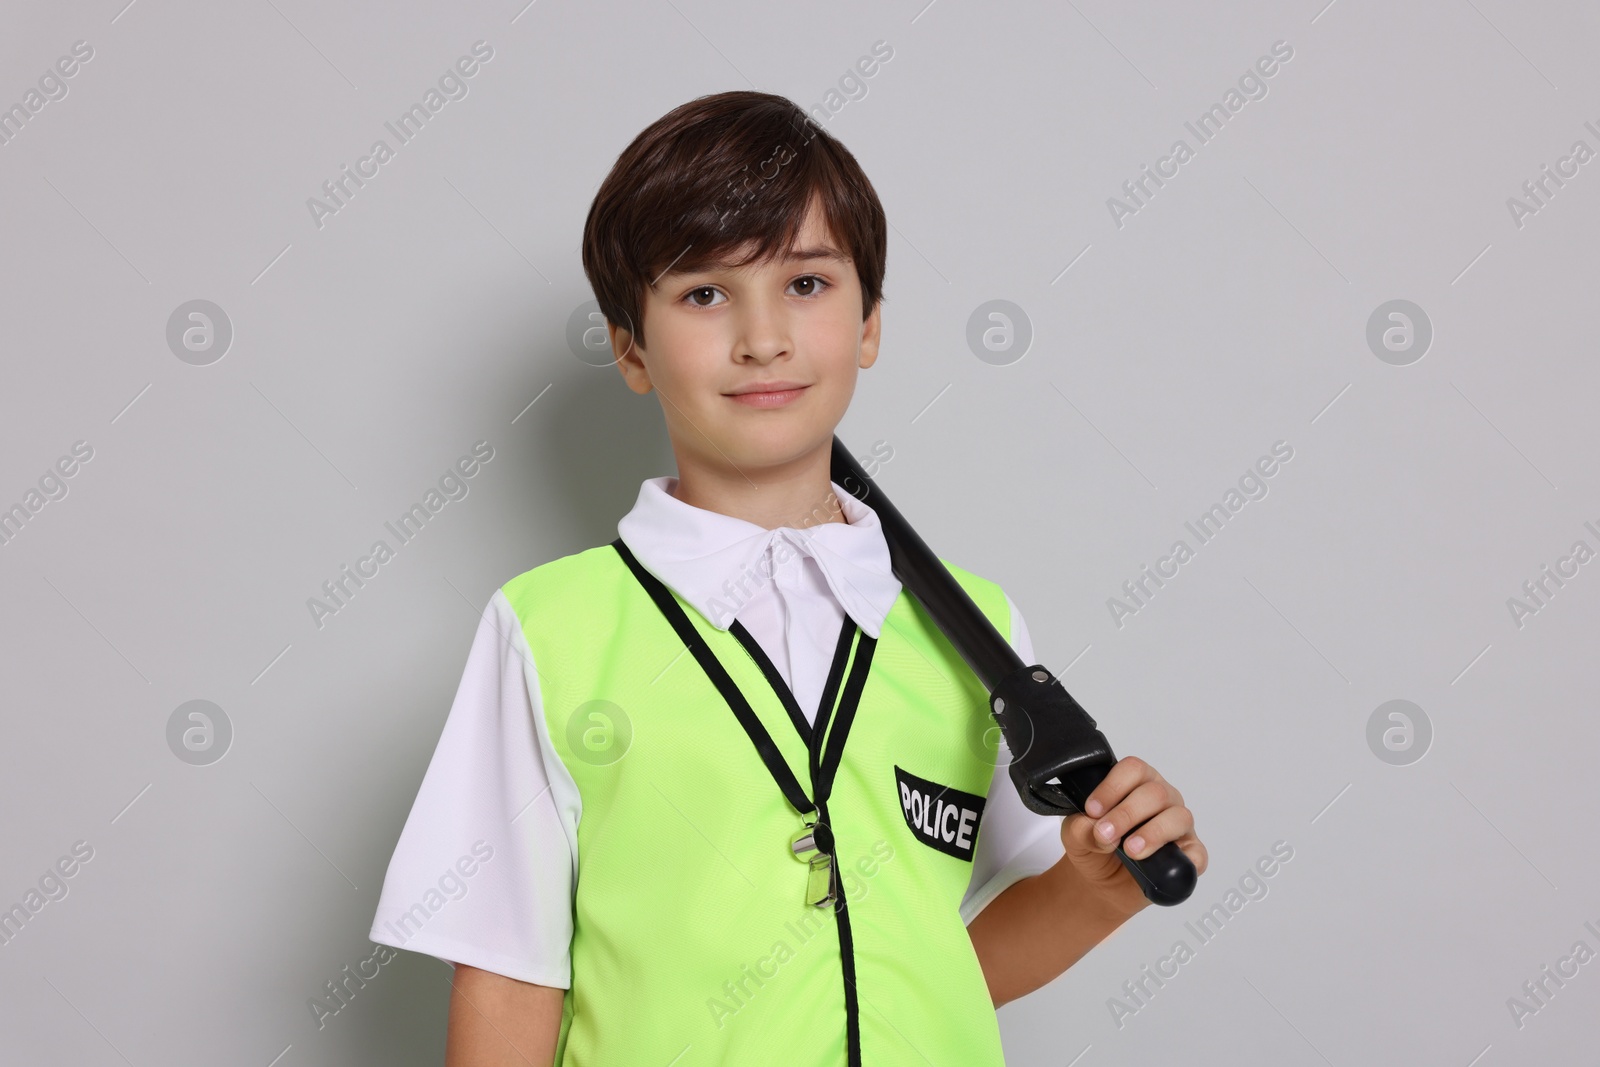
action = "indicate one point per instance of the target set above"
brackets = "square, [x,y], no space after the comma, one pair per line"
[1058,756]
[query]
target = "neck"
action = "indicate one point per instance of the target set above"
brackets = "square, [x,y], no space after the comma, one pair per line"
[796,494]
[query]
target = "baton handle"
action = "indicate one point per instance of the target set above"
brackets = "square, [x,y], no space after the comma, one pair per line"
[1058,755]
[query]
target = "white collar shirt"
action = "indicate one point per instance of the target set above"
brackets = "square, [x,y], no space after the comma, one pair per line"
[791,588]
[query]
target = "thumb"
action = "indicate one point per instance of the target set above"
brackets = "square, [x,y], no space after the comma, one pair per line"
[1077,834]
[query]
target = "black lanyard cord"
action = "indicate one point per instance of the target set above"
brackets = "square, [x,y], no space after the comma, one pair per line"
[766,748]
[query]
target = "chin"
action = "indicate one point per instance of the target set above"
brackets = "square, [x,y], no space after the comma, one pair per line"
[776,445]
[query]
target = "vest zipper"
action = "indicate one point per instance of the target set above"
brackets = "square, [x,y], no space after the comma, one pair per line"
[824,746]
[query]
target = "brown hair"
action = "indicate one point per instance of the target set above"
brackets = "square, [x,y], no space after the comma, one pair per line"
[717,173]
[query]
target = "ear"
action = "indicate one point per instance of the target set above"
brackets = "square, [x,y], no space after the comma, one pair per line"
[628,358]
[870,331]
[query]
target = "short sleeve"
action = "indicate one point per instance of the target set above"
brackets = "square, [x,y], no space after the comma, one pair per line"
[1013,842]
[484,868]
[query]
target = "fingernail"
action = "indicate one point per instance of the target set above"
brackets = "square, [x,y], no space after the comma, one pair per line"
[1133,844]
[1095,808]
[1106,830]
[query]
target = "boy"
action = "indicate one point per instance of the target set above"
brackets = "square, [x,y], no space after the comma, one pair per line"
[718,792]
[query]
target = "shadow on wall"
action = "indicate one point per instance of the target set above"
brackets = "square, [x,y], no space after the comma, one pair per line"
[400,1017]
[591,442]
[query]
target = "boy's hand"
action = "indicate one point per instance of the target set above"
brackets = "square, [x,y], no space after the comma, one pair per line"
[1133,794]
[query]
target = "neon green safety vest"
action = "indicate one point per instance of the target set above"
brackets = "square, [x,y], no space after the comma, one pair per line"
[694,942]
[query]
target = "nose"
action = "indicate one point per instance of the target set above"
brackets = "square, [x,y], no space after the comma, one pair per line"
[763,331]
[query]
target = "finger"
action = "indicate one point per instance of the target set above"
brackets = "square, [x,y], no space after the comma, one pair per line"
[1124,776]
[1139,805]
[1195,851]
[1078,836]
[1169,824]
[1077,832]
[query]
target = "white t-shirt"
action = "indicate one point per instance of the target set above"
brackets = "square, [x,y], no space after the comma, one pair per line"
[484,869]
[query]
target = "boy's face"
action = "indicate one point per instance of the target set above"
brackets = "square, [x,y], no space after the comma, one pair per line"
[716,332]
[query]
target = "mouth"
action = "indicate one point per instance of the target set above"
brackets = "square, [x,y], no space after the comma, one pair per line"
[768,394]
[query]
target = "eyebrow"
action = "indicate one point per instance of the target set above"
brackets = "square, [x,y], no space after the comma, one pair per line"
[819,252]
[822,252]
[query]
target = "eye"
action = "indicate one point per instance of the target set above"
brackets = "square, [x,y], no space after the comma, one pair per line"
[707,290]
[702,296]
[817,284]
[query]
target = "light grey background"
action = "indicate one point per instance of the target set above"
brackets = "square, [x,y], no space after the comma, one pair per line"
[1167,355]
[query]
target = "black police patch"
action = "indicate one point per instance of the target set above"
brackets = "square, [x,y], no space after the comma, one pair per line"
[942,817]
